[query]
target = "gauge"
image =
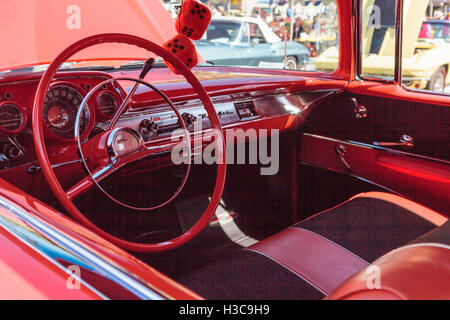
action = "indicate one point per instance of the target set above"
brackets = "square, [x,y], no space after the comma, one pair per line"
[11,117]
[107,104]
[61,106]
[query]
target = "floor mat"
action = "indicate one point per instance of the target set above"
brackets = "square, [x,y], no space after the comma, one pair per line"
[219,239]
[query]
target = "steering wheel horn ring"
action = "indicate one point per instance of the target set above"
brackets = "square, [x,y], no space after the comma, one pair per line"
[66,197]
[121,156]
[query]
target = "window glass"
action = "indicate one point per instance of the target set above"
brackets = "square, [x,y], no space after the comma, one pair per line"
[426,45]
[378,39]
[310,29]
[256,35]
[222,31]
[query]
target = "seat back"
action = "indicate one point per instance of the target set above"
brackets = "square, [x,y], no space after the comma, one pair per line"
[416,271]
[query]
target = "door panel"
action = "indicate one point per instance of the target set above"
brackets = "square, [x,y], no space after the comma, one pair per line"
[422,179]
[386,121]
[421,173]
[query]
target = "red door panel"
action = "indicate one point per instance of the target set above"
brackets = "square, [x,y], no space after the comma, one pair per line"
[420,172]
[422,179]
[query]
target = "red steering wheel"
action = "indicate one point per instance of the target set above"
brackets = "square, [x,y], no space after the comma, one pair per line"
[66,197]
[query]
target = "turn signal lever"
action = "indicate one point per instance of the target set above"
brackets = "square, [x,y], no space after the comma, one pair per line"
[148,65]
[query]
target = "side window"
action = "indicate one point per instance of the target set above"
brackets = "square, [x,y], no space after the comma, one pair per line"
[426,45]
[256,35]
[378,38]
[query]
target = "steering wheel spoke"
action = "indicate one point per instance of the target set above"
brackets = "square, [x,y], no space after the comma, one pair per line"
[87,183]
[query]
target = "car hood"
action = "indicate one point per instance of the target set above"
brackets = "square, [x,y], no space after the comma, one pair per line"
[36,31]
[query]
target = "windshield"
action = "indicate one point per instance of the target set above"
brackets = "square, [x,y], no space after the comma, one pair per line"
[222,31]
[299,35]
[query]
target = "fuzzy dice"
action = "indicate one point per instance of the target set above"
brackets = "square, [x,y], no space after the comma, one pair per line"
[191,23]
[183,48]
[193,19]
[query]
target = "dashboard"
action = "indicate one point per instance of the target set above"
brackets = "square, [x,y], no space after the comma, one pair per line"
[148,114]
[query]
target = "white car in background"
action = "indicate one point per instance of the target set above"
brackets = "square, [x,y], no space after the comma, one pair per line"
[245,41]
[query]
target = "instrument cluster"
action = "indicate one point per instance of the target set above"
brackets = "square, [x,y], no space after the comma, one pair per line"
[61,105]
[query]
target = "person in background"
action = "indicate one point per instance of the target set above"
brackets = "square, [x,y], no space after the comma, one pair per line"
[213,9]
[264,15]
[438,15]
[221,10]
[276,26]
[298,28]
[316,32]
[255,13]
[316,25]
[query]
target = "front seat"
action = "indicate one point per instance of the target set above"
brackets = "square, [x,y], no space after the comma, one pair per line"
[327,253]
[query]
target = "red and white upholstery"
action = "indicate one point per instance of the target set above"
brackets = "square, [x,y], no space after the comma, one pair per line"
[330,255]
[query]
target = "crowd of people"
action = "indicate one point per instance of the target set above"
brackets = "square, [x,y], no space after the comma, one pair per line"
[311,22]
[440,15]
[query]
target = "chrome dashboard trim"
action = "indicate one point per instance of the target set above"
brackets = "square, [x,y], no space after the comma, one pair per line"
[266,107]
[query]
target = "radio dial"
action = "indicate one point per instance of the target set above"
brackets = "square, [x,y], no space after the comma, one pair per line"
[148,128]
[189,119]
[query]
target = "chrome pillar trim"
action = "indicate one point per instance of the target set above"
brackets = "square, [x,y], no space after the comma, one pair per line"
[398,42]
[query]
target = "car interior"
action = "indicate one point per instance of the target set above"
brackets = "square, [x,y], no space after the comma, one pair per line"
[357,173]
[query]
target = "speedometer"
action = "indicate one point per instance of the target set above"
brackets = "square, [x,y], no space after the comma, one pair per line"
[61,106]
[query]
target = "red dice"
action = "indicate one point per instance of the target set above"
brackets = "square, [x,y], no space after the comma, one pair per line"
[182,47]
[193,19]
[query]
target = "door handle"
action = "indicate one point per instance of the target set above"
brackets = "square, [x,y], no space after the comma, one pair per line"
[405,141]
[341,150]
[359,111]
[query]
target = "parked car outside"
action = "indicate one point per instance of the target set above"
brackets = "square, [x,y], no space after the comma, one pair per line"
[426,52]
[245,41]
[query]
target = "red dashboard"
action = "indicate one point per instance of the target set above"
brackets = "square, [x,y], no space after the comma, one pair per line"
[247,99]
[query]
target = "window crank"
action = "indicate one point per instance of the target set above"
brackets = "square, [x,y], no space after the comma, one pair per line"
[359,111]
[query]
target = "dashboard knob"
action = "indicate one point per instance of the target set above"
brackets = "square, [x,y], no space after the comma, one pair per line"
[148,128]
[189,119]
[11,151]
